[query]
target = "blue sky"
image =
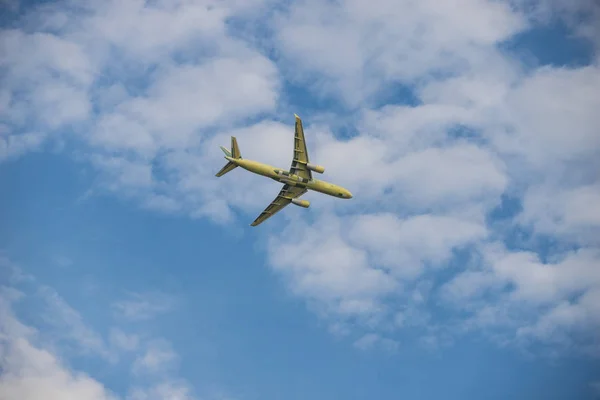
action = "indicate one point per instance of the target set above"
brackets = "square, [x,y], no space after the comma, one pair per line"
[465,266]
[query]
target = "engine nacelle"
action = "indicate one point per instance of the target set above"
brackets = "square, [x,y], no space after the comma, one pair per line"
[301,203]
[316,168]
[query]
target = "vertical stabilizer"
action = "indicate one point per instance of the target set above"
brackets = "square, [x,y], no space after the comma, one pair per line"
[235,150]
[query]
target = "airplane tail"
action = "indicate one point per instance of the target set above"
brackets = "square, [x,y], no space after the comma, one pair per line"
[234,153]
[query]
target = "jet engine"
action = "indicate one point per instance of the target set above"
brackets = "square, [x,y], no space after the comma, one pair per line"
[316,168]
[301,203]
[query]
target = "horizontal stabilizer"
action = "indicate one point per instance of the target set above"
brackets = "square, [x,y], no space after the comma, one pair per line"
[227,152]
[228,167]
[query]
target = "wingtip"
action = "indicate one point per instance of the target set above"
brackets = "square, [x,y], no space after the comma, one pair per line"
[297,117]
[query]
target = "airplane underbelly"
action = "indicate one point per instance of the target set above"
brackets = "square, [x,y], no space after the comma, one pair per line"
[290,182]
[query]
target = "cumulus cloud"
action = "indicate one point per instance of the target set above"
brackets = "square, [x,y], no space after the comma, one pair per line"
[437,169]
[548,302]
[76,73]
[405,246]
[354,48]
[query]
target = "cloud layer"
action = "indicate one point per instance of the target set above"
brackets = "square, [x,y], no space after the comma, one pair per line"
[476,195]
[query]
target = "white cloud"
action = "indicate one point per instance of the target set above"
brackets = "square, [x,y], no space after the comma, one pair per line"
[468,285]
[186,98]
[338,274]
[143,99]
[570,213]
[162,391]
[123,174]
[68,323]
[357,47]
[555,112]
[33,373]
[405,245]
[408,165]
[124,341]
[131,26]
[536,281]
[35,366]
[12,146]
[521,299]
[143,306]
[51,55]
[445,177]
[371,340]
[63,261]
[44,87]
[157,358]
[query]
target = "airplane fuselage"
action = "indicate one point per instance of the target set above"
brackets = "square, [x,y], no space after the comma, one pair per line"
[283,176]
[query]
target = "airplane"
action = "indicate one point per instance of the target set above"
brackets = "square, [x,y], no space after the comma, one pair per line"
[297,181]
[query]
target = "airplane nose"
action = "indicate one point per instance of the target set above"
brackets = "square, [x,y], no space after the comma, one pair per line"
[349,195]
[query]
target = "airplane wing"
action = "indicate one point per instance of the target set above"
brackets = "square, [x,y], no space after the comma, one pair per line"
[300,153]
[284,198]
